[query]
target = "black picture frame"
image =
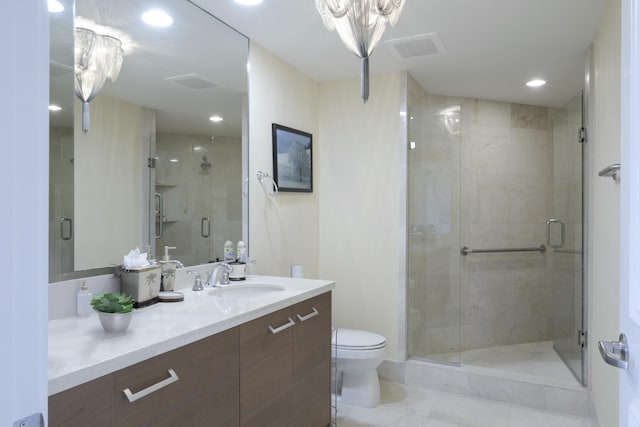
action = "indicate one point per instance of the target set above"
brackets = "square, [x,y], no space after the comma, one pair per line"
[292,159]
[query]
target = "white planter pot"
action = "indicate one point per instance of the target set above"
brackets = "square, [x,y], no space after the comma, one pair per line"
[115,322]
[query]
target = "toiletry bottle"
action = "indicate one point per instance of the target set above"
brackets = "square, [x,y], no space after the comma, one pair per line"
[84,300]
[229,252]
[168,270]
[242,252]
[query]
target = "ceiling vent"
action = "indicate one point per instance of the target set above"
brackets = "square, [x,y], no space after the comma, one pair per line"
[192,81]
[418,46]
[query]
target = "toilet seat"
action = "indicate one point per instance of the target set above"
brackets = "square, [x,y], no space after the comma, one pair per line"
[355,340]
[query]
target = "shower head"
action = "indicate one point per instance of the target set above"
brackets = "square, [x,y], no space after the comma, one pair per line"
[204,166]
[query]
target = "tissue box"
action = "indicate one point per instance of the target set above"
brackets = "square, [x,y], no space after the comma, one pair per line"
[143,284]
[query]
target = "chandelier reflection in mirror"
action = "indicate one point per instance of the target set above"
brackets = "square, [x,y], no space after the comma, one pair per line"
[97,58]
[360,25]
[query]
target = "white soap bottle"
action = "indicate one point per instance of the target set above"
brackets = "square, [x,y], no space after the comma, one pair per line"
[84,300]
[242,252]
[229,253]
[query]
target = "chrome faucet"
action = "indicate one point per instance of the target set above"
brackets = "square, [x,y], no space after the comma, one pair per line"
[213,280]
[197,283]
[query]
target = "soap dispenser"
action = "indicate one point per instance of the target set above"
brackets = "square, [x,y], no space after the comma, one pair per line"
[168,270]
[84,301]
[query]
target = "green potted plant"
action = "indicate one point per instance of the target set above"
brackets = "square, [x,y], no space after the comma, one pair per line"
[114,311]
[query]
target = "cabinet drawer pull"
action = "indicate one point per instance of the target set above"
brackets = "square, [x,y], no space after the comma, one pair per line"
[173,377]
[287,325]
[314,313]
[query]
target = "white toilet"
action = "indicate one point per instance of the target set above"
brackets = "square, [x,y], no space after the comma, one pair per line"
[357,355]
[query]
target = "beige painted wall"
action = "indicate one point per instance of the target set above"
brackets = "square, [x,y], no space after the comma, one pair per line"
[113,147]
[360,153]
[604,216]
[283,230]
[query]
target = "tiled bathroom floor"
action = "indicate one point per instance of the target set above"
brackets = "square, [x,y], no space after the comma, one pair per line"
[408,406]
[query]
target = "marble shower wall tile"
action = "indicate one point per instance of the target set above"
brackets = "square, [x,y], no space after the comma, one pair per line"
[192,192]
[499,197]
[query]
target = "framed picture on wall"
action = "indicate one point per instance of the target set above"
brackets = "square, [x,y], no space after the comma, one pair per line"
[292,159]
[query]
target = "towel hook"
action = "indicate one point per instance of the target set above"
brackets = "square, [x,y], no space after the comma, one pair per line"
[261,177]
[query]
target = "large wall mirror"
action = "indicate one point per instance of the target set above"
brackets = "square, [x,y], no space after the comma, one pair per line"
[152,169]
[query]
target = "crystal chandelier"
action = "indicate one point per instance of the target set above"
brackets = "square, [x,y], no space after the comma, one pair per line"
[97,58]
[360,25]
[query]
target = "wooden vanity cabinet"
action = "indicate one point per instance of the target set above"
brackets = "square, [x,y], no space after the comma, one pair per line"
[206,390]
[285,366]
[266,370]
[89,404]
[312,362]
[272,371]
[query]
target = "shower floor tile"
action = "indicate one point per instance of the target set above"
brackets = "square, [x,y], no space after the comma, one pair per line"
[535,360]
[407,406]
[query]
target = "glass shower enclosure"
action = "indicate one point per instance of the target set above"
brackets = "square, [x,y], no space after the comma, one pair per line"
[503,181]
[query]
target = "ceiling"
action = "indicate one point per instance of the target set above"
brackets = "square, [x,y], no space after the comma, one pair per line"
[492,46]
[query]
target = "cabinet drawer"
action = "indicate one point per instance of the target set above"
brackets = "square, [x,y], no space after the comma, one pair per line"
[84,405]
[198,366]
[215,406]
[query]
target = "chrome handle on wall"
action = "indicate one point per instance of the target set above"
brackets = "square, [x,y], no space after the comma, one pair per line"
[615,353]
[562,234]
[314,313]
[173,377]
[204,221]
[287,325]
[611,171]
[159,214]
[64,236]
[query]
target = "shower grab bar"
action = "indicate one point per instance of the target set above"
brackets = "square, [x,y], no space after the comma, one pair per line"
[568,251]
[465,250]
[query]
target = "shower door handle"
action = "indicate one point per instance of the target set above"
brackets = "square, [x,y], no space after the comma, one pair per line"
[159,214]
[204,221]
[562,233]
[615,353]
[63,235]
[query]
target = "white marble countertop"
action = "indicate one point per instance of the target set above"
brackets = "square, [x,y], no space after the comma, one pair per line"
[80,350]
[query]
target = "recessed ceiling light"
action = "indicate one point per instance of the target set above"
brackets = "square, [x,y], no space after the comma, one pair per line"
[157,18]
[55,6]
[536,83]
[54,107]
[216,119]
[173,160]
[249,2]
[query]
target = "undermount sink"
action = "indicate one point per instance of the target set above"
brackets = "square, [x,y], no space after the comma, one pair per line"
[244,290]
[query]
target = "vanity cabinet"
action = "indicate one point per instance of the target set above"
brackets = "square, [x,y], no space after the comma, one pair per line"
[206,389]
[285,366]
[89,404]
[312,362]
[271,371]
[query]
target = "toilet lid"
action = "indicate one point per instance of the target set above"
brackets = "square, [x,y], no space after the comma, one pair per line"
[353,339]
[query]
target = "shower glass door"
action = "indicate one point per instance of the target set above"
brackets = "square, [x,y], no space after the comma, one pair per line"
[565,237]
[181,197]
[433,215]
